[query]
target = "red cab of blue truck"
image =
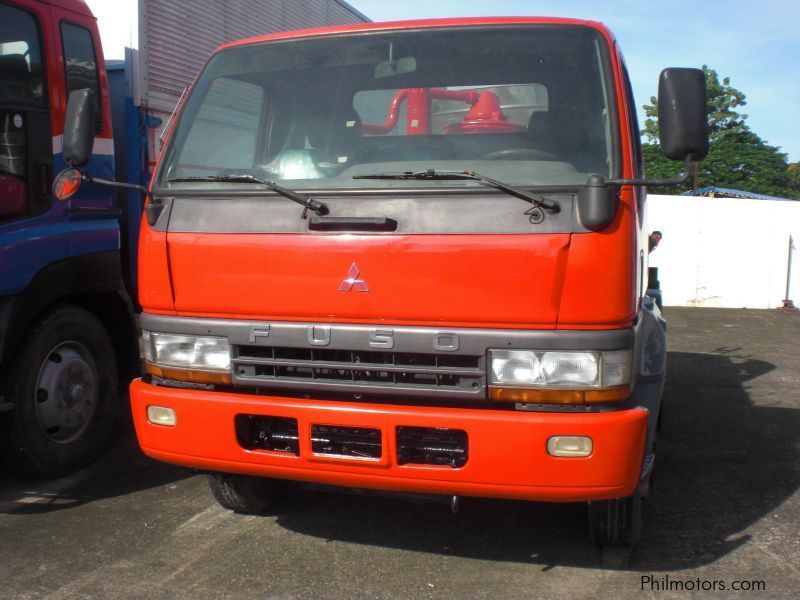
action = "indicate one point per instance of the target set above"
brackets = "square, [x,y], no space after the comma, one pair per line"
[411,257]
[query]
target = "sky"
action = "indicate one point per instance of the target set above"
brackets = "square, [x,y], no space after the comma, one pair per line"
[755,44]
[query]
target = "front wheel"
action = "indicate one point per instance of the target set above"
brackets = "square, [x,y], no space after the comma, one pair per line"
[246,495]
[615,527]
[62,385]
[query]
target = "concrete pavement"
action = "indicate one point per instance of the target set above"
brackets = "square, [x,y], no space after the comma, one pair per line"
[725,508]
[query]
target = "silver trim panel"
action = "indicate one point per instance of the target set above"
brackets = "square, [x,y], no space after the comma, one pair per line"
[362,372]
[379,363]
[470,341]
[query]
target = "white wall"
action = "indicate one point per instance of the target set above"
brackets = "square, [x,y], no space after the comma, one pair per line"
[724,252]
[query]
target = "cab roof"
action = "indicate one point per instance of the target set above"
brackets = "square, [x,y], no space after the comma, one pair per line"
[419,24]
[78,6]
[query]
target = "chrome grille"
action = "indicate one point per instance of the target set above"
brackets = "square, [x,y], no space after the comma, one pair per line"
[359,371]
[260,432]
[346,442]
[432,446]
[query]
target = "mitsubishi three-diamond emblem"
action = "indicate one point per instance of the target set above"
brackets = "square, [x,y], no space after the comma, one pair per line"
[353,281]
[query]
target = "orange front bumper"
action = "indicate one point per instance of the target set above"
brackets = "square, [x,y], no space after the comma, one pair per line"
[507,449]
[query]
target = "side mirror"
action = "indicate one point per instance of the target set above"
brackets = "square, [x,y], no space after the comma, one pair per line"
[66,184]
[683,132]
[682,120]
[79,128]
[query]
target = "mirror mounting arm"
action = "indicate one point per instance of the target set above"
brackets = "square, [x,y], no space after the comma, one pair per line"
[688,171]
[597,202]
[152,208]
[117,184]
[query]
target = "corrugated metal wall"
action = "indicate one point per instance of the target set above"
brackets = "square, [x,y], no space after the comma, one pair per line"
[176,36]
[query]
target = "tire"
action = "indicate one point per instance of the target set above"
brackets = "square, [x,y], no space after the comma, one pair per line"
[62,383]
[615,527]
[247,495]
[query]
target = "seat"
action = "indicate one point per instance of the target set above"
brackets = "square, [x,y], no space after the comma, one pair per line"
[318,144]
[13,198]
[337,136]
[572,136]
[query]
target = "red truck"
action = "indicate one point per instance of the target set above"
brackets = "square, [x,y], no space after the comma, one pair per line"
[410,257]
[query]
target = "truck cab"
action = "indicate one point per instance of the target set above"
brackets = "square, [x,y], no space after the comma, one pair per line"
[409,257]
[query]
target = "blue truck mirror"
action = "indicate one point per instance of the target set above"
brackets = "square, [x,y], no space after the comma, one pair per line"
[66,184]
[79,128]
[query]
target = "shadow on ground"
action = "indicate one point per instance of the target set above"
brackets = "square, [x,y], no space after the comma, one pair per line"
[122,470]
[723,464]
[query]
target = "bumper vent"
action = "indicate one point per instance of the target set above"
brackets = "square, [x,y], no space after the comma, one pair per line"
[276,434]
[349,442]
[453,375]
[432,446]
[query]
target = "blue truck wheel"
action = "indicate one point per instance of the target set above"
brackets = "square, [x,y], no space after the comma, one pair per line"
[62,385]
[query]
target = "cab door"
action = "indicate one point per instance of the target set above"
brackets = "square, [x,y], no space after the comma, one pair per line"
[32,233]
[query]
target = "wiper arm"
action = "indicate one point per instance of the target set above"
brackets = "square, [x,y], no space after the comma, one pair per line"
[309,203]
[432,174]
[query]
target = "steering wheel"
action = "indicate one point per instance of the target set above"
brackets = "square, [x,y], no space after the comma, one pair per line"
[519,154]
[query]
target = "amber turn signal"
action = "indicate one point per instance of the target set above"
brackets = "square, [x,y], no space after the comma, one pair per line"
[190,375]
[556,396]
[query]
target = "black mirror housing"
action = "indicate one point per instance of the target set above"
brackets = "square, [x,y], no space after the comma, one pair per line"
[597,204]
[79,128]
[682,114]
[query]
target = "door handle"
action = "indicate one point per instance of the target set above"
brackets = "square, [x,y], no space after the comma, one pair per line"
[45,177]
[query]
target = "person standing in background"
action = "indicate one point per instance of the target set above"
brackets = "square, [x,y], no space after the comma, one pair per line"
[653,240]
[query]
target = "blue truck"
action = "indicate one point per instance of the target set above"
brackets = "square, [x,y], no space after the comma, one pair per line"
[68,341]
[68,294]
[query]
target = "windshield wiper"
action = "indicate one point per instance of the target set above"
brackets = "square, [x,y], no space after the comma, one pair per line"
[432,174]
[309,203]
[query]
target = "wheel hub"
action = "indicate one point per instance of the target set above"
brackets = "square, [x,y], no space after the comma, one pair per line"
[66,392]
[77,392]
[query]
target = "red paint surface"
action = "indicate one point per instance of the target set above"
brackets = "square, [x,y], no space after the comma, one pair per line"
[421,24]
[472,280]
[507,450]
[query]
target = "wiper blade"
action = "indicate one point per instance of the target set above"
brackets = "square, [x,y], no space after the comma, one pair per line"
[309,203]
[428,174]
[433,174]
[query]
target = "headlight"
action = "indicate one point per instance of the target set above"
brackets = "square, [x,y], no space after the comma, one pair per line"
[516,366]
[565,377]
[571,368]
[202,359]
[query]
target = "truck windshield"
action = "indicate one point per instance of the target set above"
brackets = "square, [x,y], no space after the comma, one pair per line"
[527,106]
